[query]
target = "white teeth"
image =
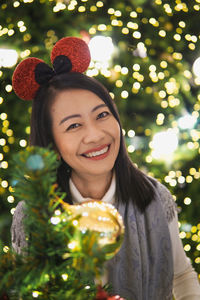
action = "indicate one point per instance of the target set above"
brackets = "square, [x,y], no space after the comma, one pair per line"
[92,154]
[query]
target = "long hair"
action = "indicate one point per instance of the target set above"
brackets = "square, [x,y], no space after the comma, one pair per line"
[131,183]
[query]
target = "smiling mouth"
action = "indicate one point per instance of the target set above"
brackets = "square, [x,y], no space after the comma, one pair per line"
[93,154]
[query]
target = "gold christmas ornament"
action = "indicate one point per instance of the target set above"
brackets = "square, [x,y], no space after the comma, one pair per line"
[101,218]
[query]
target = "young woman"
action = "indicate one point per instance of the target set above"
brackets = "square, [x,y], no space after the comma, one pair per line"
[76,114]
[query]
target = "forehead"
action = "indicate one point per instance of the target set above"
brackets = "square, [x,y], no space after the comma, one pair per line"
[74,101]
[81,96]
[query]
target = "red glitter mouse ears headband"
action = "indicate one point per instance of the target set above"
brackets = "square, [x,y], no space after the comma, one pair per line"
[70,54]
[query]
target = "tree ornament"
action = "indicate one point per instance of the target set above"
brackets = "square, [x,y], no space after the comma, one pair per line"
[103,295]
[35,162]
[102,218]
[4,297]
[117,297]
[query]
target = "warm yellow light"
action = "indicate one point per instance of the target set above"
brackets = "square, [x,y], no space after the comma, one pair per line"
[182,234]
[4,165]
[11,140]
[125,30]
[35,294]
[154,22]
[136,34]
[20,23]
[118,13]
[11,199]
[124,71]
[132,25]
[164,104]
[2,142]
[131,148]
[177,56]
[133,14]
[99,4]
[148,90]
[9,132]
[189,179]
[196,7]
[162,33]
[102,27]
[111,11]
[119,83]
[161,75]
[65,277]
[191,46]
[81,9]
[72,7]
[163,64]
[149,159]
[181,179]
[25,53]
[179,30]
[16,3]
[187,201]
[187,247]
[167,8]
[136,85]
[136,67]
[177,37]
[192,171]
[117,68]
[131,133]
[92,30]
[187,74]
[152,68]
[182,24]
[23,143]
[124,94]
[4,184]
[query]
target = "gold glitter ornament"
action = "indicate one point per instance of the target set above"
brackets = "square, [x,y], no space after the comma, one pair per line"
[101,218]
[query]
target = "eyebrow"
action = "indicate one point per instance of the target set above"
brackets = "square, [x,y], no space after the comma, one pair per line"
[78,115]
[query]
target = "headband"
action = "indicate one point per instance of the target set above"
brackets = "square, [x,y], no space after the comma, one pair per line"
[70,54]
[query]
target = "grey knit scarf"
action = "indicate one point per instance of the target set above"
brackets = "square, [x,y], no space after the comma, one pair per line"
[143,268]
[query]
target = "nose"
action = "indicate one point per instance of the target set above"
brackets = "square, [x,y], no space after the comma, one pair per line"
[93,134]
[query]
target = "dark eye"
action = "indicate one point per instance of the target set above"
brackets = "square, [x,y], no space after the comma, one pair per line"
[73,126]
[103,114]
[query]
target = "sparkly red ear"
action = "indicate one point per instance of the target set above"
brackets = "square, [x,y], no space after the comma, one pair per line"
[23,81]
[76,50]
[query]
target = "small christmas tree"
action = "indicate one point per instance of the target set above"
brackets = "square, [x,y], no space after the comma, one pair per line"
[66,245]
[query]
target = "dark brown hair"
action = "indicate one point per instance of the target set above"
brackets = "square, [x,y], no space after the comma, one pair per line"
[131,183]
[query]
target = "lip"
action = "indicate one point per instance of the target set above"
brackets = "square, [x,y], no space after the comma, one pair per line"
[98,157]
[96,149]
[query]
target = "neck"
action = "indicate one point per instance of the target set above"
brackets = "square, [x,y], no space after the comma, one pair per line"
[92,187]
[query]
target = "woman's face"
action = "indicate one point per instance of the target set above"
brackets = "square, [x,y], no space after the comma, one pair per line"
[86,134]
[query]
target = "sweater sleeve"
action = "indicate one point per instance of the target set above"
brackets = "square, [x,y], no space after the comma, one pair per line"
[185,284]
[18,237]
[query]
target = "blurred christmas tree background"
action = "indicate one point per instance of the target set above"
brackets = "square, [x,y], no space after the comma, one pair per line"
[147,53]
